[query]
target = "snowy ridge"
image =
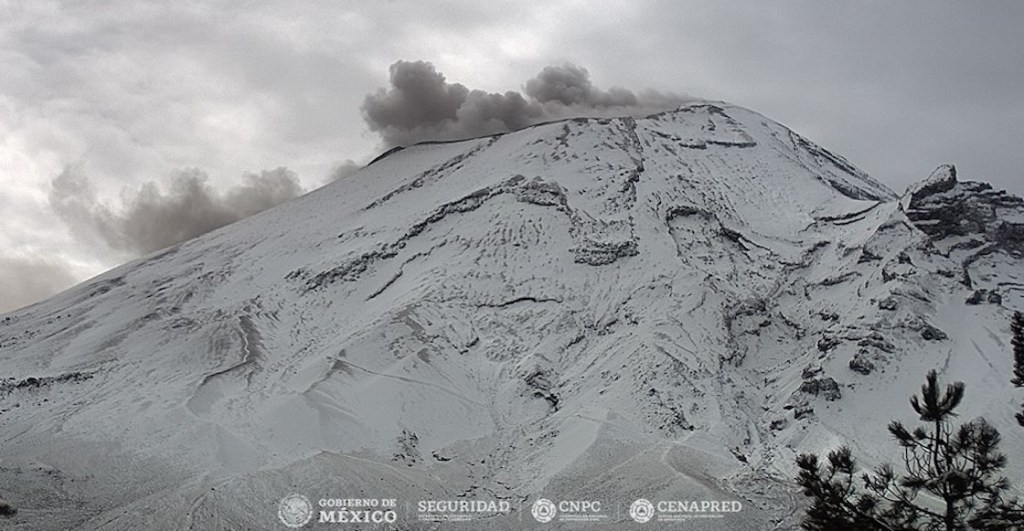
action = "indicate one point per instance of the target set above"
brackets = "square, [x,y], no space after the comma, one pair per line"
[671,306]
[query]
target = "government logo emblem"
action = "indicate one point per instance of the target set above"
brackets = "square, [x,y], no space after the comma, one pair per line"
[543,510]
[295,510]
[641,511]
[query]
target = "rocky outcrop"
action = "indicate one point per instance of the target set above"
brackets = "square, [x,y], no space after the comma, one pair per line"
[983,296]
[943,179]
[826,388]
[931,333]
[967,222]
[943,207]
[861,363]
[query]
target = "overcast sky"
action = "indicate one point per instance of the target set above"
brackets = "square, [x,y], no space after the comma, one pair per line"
[125,126]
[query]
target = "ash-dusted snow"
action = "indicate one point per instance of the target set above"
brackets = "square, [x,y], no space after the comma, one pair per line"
[669,307]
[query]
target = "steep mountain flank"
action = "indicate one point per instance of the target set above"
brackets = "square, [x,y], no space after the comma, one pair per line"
[669,307]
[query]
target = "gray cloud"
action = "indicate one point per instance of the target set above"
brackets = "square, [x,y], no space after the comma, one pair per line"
[152,219]
[344,170]
[421,105]
[570,85]
[27,280]
[419,95]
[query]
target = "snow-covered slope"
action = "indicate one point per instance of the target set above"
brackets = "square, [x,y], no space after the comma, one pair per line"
[669,307]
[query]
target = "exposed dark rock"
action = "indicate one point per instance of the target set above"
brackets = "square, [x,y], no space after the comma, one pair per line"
[828,316]
[931,333]
[982,296]
[943,207]
[539,192]
[407,452]
[861,364]
[677,423]
[1010,236]
[32,382]
[540,381]
[802,412]
[828,343]
[868,256]
[971,215]
[839,279]
[810,372]
[888,304]
[943,179]
[598,254]
[7,510]
[826,388]
[877,340]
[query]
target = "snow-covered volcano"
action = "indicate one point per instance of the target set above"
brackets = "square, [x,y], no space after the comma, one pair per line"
[669,308]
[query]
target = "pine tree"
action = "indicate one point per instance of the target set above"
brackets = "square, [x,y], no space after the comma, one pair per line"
[1017,328]
[951,479]
[835,503]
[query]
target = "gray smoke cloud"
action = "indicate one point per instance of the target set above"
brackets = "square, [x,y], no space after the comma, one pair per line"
[421,105]
[343,170]
[151,218]
[570,85]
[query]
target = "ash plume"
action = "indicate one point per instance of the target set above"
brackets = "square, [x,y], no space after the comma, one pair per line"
[421,104]
[570,85]
[151,218]
[344,169]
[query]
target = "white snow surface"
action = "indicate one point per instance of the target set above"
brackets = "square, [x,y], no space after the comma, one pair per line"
[599,309]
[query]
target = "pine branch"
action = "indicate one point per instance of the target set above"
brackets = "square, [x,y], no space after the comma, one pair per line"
[958,465]
[1017,329]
